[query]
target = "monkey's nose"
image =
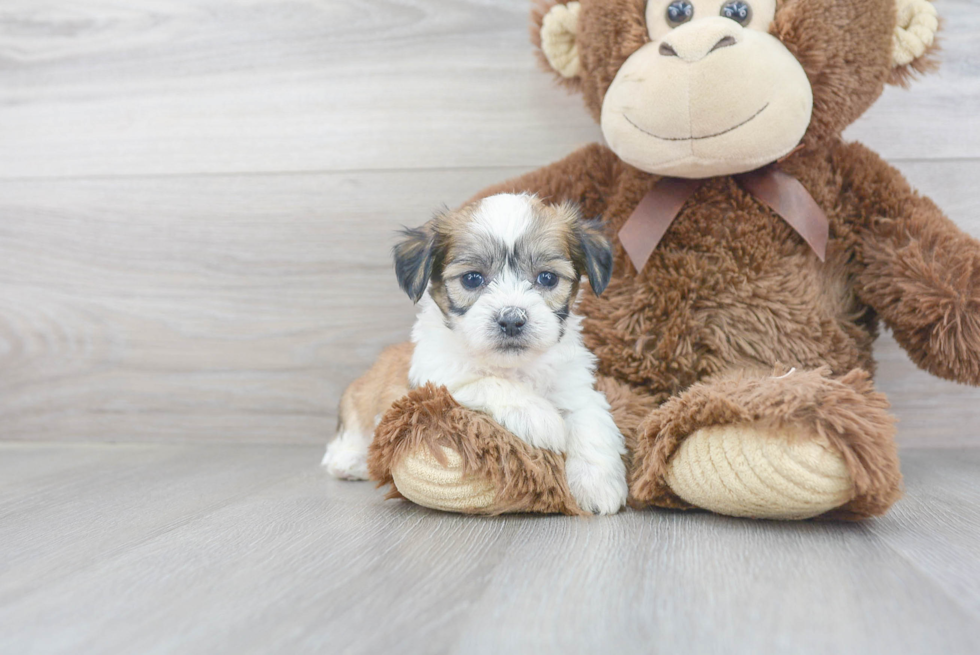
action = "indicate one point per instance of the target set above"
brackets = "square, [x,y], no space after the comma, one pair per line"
[511,320]
[694,41]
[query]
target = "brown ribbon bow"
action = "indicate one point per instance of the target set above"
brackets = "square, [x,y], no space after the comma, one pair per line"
[783,194]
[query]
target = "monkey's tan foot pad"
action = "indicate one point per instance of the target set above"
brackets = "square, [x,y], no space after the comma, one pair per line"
[760,472]
[420,478]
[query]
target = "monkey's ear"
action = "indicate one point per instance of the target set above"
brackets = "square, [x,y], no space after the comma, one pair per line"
[555,32]
[914,40]
[414,256]
[596,253]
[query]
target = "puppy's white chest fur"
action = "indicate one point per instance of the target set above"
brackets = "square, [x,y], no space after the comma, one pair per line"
[531,400]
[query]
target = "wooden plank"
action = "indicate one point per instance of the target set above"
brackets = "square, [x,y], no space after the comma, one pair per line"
[897,125]
[237,308]
[183,86]
[71,506]
[201,308]
[338,544]
[685,583]
[317,565]
[106,87]
[936,525]
[931,412]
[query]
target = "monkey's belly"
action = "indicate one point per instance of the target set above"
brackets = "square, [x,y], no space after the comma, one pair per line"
[673,326]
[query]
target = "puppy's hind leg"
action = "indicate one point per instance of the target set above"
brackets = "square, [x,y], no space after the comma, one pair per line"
[346,456]
[363,404]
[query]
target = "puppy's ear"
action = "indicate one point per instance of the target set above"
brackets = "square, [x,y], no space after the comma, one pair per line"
[595,252]
[414,256]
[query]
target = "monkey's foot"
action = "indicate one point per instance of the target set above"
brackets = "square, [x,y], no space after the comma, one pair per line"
[759,471]
[422,479]
[438,454]
[775,446]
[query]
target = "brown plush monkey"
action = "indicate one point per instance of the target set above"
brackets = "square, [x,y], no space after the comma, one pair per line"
[735,347]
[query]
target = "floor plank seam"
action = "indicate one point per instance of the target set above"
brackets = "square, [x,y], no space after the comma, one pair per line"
[933,582]
[312,172]
[88,443]
[152,535]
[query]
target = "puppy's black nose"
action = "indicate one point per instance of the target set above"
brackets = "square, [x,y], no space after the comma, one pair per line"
[511,320]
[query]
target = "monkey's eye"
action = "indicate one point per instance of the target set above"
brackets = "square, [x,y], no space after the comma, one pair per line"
[738,11]
[472,280]
[679,11]
[547,279]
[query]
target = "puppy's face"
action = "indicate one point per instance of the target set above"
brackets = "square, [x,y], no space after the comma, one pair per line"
[504,271]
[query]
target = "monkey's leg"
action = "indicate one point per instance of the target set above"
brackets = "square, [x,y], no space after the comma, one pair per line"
[789,446]
[438,454]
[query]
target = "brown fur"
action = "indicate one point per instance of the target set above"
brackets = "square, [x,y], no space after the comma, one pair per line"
[373,393]
[527,479]
[845,410]
[844,47]
[732,293]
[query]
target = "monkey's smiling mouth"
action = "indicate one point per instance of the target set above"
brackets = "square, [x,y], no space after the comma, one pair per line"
[697,138]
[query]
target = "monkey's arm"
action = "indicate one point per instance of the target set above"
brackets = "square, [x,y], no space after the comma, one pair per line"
[918,270]
[586,176]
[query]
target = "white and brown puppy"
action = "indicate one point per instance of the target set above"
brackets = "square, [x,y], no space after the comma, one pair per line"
[498,330]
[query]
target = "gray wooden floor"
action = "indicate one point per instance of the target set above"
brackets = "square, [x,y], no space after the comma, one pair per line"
[197,200]
[137,548]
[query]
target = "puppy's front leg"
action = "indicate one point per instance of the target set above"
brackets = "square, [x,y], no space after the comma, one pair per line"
[518,409]
[594,463]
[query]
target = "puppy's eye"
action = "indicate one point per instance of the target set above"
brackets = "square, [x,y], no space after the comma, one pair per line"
[472,280]
[738,11]
[679,12]
[547,279]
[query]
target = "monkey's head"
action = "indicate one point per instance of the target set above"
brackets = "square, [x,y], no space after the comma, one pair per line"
[699,88]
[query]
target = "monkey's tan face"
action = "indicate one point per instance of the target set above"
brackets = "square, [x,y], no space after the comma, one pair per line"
[672,108]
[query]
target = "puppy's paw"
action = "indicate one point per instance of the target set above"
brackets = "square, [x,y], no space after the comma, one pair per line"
[537,424]
[346,461]
[597,488]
